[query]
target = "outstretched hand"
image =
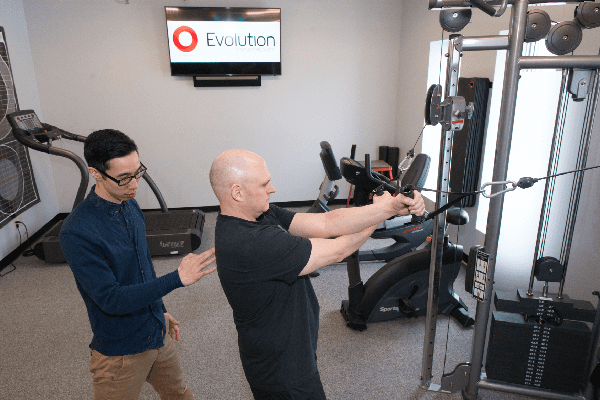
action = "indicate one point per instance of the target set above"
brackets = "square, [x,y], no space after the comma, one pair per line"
[192,266]
[402,204]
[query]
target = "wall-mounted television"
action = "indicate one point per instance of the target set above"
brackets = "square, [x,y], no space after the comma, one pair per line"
[224,41]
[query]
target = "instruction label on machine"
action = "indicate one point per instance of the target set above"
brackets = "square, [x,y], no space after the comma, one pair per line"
[480,276]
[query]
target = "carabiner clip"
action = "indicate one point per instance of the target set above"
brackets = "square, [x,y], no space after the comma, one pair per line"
[489,196]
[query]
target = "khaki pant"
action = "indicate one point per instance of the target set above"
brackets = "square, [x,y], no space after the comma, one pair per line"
[122,377]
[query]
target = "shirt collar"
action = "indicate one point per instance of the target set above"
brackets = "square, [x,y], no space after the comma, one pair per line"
[105,205]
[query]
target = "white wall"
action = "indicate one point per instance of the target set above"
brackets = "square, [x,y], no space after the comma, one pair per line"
[12,18]
[100,64]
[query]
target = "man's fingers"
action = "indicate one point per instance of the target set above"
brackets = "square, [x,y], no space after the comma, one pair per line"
[206,258]
[208,253]
[205,263]
[208,271]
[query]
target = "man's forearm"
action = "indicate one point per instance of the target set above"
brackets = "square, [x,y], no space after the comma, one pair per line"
[328,251]
[345,221]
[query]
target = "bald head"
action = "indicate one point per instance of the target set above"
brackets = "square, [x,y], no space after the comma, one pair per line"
[232,167]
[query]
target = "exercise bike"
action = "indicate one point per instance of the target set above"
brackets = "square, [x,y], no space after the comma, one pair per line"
[407,234]
[400,287]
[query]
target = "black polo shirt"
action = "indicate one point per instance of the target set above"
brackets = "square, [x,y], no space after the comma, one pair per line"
[275,310]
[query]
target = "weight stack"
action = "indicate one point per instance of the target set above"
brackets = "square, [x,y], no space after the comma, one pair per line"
[467,145]
[539,355]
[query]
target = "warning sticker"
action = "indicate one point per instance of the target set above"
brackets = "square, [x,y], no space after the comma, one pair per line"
[480,276]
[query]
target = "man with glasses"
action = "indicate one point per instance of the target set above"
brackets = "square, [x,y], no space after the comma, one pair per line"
[104,242]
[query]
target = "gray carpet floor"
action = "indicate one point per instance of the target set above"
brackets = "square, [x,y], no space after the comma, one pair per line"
[45,333]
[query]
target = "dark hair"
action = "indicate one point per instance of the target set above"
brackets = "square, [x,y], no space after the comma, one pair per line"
[102,146]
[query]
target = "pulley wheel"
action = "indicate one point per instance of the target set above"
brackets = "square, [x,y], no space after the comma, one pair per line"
[455,20]
[433,112]
[548,269]
[564,38]
[588,14]
[538,25]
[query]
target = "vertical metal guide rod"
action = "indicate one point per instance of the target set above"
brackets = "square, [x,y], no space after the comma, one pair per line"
[590,115]
[559,124]
[439,223]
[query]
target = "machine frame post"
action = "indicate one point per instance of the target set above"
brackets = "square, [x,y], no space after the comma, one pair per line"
[439,223]
[505,129]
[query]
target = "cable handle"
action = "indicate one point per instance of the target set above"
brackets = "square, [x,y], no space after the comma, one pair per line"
[408,191]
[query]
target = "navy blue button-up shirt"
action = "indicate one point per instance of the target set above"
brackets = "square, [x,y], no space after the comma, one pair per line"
[105,246]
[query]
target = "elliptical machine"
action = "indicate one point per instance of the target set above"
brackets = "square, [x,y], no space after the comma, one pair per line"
[168,232]
[400,287]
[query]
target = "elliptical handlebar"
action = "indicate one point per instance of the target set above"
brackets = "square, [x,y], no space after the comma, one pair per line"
[157,193]
[65,134]
[376,177]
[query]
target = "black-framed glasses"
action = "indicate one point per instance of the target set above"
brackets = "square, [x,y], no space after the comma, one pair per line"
[125,181]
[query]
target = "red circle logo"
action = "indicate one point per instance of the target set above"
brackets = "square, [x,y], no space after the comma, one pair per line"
[178,44]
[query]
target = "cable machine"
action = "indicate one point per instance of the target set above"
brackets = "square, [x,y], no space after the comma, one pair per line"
[533,318]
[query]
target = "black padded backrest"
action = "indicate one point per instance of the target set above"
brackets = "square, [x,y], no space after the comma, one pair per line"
[417,173]
[329,163]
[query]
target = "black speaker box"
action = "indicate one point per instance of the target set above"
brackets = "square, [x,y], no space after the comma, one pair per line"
[467,146]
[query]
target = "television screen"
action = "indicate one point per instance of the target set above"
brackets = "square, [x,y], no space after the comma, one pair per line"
[221,41]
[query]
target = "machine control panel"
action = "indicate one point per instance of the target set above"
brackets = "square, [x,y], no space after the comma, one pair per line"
[29,122]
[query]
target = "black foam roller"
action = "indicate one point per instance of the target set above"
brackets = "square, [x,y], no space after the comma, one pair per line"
[383,153]
[393,159]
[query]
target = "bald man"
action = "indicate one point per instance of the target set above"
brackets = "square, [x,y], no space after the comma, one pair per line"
[264,255]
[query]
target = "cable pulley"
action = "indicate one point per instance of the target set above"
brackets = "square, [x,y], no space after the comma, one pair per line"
[588,14]
[451,112]
[564,38]
[538,25]
[455,20]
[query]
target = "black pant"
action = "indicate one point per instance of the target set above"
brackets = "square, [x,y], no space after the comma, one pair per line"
[311,390]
